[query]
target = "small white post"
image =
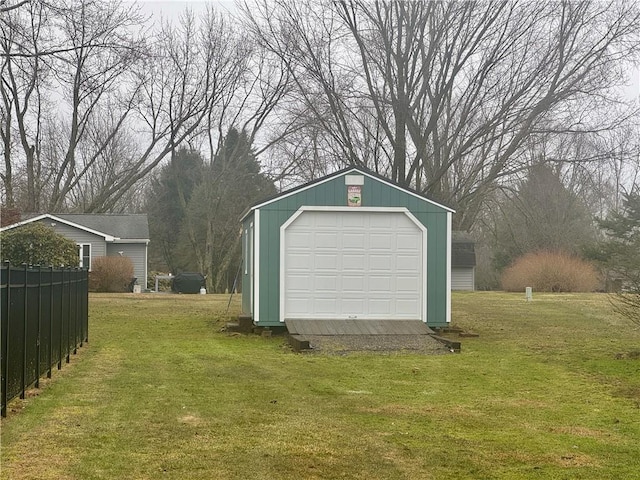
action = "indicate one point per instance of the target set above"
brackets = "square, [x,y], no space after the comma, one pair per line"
[528,293]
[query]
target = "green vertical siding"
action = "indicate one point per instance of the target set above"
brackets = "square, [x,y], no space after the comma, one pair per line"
[333,192]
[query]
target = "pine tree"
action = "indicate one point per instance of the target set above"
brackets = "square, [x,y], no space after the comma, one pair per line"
[231,184]
[167,203]
[621,255]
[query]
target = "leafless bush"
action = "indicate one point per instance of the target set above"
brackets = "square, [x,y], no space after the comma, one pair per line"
[110,274]
[550,272]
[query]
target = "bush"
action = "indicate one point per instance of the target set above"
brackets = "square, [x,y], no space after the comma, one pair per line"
[550,272]
[110,274]
[37,244]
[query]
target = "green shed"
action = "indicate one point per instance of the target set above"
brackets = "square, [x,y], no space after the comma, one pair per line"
[351,245]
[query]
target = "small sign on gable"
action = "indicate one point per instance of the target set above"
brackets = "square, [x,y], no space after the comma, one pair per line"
[354,195]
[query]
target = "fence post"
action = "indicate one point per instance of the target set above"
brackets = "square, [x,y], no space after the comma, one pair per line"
[69,318]
[5,345]
[51,315]
[37,384]
[85,303]
[61,316]
[75,317]
[23,379]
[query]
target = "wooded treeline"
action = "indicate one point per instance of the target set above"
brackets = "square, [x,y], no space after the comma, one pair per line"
[513,113]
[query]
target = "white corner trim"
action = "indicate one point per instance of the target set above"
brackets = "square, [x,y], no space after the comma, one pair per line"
[449,238]
[256,271]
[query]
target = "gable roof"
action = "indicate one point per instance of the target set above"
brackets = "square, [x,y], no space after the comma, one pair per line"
[113,227]
[345,171]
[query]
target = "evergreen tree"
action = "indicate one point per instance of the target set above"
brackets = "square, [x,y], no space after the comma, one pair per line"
[620,253]
[232,183]
[543,215]
[167,203]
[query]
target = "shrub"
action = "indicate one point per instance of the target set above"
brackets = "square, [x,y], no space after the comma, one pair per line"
[550,272]
[110,274]
[37,244]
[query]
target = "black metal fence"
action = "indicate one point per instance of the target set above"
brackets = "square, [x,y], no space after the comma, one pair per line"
[44,319]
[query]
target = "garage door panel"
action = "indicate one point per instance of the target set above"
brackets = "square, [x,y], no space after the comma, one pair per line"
[324,240]
[321,220]
[380,263]
[359,265]
[324,284]
[380,306]
[325,261]
[407,242]
[323,307]
[353,241]
[379,284]
[406,263]
[407,284]
[353,307]
[353,261]
[300,282]
[383,241]
[353,284]
[300,239]
[407,307]
[299,261]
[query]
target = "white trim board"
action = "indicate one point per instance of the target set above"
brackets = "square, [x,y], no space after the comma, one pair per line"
[256,272]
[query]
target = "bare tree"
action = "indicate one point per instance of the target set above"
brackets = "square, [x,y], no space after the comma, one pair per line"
[250,86]
[447,94]
[63,63]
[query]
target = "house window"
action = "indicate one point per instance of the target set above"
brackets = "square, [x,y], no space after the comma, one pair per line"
[84,252]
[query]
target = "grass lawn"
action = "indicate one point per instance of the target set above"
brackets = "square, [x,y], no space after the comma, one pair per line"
[550,389]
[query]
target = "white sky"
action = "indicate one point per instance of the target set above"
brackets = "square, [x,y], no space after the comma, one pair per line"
[172,9]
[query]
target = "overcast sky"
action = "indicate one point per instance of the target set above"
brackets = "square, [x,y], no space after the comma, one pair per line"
[172,8]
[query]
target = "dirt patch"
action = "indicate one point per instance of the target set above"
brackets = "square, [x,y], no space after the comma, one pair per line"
[344,344]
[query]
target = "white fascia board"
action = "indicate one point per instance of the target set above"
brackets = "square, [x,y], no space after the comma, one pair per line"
[409,192]
[130,240]
[332,177]
[107,237]
[24,222]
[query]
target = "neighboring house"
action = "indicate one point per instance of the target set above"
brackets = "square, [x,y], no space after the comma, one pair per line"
[463,262]
[352,245]
[102,235]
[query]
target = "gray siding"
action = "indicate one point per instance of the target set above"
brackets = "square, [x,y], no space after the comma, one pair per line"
[98,244]
[463,278]
[137,252]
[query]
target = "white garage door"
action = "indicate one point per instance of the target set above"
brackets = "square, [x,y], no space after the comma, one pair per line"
[353,264]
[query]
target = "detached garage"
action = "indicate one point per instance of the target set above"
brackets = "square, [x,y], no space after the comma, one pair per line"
[352,245]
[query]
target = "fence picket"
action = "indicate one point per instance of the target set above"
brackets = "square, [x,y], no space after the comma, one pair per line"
[23,354]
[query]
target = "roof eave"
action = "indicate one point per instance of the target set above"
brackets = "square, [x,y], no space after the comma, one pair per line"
[342,172]
[106,236]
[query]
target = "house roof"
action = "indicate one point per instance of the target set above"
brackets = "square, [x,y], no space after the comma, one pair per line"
[113,227]
[463,253]
[344,171]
